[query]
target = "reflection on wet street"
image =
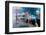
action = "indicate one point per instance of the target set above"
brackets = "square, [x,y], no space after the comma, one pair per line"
[20,23]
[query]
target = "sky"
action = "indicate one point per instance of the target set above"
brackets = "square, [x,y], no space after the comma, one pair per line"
[30,10]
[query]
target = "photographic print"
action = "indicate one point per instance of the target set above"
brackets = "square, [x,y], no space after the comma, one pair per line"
[24,17]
